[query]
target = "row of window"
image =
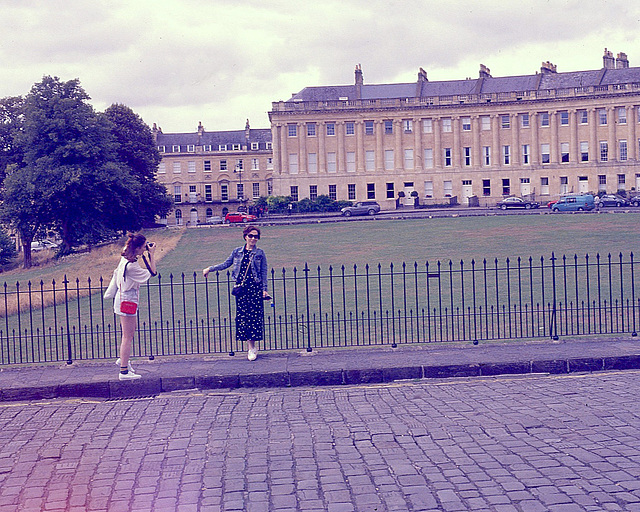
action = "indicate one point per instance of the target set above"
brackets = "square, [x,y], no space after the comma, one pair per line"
[505,187]
[505,121]
[207,148]
[222,164]
[193,197]
[467,158]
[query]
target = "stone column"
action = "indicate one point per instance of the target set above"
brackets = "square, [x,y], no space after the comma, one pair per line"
[515,140]
[535,147]
[360,156]
[574,149]
[632,143]
[455,120]
[340,154]
[284,150]
[554,143]
[437,143]
[397,147]
[476,151]
[593,134]
[322,150]
[496,157]
[379,128]
[611,122]
[302,148]
[418,152]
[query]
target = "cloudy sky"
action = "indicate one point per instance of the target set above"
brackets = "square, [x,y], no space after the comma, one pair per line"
[178,62]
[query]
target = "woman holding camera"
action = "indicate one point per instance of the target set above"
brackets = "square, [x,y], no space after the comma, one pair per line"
[250,275]
[127,278]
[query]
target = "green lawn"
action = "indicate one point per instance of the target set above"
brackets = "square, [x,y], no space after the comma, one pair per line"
[386,240]
[354,307]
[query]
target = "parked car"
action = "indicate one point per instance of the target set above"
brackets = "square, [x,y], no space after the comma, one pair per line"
[634,201]
[574,203]
[516,202]
[215,219]
[41,245]
[613,200]
[233,217]
[361,208]
[551,203]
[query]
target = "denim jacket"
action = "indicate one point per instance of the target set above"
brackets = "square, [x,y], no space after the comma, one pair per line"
[258,265]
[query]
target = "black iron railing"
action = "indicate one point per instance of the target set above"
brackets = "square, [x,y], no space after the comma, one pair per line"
[332,307]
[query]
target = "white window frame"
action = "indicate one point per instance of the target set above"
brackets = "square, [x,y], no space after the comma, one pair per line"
[312,162]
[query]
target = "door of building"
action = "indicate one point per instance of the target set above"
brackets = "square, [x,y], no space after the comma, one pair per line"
[467,191]
[194,217]
[583,184]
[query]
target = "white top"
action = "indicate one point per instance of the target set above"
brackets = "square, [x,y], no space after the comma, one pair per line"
[129,284]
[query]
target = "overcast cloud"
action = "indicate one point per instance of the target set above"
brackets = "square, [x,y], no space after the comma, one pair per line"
[222,61]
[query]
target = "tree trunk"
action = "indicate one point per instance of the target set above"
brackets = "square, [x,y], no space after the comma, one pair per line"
[26,252]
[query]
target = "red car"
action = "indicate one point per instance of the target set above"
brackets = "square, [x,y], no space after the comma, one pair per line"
[239,217]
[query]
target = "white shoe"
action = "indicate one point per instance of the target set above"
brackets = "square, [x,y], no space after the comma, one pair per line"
[129,376]
[129,367]
[252,354]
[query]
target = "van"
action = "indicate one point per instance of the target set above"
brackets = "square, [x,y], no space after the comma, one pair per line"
[574,203]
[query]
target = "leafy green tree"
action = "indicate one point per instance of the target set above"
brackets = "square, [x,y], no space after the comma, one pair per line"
[10,122]
[135,149]
[7,248]
[23,207]
[85,175]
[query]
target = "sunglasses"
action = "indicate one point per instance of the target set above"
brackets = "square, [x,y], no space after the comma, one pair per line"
[257,237]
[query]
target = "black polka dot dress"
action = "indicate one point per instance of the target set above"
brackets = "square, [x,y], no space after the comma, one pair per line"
[249,306]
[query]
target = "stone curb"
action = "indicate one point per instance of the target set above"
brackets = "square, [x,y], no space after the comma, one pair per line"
[115,389]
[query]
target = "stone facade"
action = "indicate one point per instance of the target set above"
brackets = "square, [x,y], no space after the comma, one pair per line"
[538,135]
[212,173]
[475,140]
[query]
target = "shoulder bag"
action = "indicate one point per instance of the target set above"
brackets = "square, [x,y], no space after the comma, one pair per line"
[238,289]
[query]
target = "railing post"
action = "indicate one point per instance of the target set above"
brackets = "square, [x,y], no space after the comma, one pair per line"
[553,324]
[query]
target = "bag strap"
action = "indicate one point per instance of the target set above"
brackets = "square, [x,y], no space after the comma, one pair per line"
[124,274]
[148,267]
[244,278]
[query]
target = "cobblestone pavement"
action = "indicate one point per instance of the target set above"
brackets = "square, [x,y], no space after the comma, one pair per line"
[529,443]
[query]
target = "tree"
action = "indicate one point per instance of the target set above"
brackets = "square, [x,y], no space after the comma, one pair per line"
[22,208]
[10,122]
[7,248]
[85,175]
[135,148]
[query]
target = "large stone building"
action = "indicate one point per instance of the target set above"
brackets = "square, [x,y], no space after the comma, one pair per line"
[539,135]
[536,135]
[212,173]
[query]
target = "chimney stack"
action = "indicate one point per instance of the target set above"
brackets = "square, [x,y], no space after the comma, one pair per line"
[485,72]
[359,79]
[622,62]
[547,67]
[608,62]
[200,128]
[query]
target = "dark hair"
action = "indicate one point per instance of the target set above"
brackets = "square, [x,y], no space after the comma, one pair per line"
[134,242]
[248,230]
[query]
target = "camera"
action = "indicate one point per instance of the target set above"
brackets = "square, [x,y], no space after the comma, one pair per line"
[150,245]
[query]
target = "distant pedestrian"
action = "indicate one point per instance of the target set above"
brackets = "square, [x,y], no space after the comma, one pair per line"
[596,202]
[124,288]
[249,274]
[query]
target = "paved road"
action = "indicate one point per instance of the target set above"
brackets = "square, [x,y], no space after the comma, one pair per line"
[512,443]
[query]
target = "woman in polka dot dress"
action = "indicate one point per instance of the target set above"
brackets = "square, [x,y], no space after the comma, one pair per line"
[249,269]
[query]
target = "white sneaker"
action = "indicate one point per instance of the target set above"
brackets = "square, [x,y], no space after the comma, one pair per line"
[252,354]
[129,376]
[130,368]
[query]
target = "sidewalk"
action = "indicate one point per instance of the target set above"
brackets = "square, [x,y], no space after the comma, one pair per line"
[354,365]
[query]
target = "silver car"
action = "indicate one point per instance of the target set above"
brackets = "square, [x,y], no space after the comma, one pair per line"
[361,208]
